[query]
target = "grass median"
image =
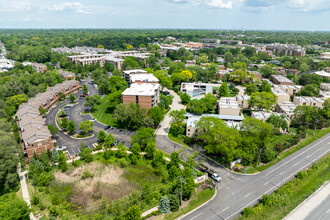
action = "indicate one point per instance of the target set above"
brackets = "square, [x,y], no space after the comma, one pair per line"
[281,202]
[102,114]
[310,139]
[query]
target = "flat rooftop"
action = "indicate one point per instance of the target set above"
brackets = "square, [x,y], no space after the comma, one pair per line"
[134,71]
[144,77]
[281,78]
[228,102]
[309,99]
[142,89]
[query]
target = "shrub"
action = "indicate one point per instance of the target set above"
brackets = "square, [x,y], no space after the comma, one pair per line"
[42,206]
[268,155]
[164,205]
[248,212]
[35,199]
[301,175]
[86,174]
[53,211]
[174,203]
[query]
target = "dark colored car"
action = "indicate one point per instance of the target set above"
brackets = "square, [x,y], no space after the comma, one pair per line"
[167,93]
[107,127]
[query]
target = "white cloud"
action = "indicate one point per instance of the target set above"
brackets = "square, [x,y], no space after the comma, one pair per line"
[209,3]
[310,5]
[68,7]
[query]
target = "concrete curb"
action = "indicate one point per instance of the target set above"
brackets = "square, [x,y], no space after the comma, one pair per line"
[182,216]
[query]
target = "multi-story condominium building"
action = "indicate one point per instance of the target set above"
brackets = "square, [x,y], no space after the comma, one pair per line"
[286,49]
[34,133]
[143,78]
[196,89]
[263,116]
[310,101]
[289,89]
[144,94]
[231,121]
[117,62]
[281,80]
[287,108]
[229,106]
[281,95]
[128,73]
[243,100]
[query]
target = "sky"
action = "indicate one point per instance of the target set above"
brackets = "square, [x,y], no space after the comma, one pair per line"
[307,15]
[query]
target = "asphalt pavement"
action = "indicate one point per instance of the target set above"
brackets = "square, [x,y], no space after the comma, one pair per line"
[72,144]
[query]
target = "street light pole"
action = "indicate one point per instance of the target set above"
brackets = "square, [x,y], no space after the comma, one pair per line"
[232,202]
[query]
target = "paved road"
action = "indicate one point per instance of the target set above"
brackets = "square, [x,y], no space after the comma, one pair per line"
[322,211]
[248,189]
[73,145]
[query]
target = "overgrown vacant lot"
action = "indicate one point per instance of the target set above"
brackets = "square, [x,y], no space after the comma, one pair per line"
[93,181]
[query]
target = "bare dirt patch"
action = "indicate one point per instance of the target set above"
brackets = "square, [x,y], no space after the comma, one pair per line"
[106,181]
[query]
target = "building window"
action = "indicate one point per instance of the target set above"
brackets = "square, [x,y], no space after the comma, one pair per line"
[39,143]
[136,99]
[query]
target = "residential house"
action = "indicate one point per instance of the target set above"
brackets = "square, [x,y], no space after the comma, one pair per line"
[229,106]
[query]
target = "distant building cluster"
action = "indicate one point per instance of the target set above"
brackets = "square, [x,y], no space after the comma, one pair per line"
[34,133]
[286,49]
[39,67]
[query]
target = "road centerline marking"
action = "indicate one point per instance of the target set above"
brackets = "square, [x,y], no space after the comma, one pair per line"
[247,195]
[225,208]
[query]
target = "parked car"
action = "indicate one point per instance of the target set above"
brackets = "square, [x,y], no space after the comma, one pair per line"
[115,143]
[167,93]
[93,119]
[61,148]
[210,173]
[107,127]
[67,107]
[216,177]
[83,95]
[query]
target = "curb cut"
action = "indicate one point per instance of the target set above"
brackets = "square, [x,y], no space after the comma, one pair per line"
[182,216]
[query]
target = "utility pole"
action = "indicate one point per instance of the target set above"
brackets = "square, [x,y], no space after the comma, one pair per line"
[181,180]
[317,121]
[232,202]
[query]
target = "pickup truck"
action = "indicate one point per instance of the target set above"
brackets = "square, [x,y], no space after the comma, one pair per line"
[210,173]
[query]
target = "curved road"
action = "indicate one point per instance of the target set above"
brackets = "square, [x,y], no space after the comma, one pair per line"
[73,145]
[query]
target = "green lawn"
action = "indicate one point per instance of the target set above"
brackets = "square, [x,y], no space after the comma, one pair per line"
[200,199]
[291,194]
[101,113]
[177,140]
[310,138]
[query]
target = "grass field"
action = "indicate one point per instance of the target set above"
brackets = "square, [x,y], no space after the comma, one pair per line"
[177,140]
[101,113]
[310,138]
[291,194]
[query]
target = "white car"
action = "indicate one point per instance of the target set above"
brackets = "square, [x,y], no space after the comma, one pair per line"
[61,148]
[216,177]
[93,119]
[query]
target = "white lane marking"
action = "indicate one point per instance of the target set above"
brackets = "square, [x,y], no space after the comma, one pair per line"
[296,164]
[247,195]
[239,210]
[265,183]
[197,215]
[308,156]
[225,208]
[298,155]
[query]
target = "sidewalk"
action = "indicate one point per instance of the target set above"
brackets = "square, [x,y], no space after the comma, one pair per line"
[310,204]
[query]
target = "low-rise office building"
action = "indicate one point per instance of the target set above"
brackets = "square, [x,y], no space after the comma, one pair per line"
[243,101]
[309,101]
[325,86]
[281,80]
[196,89]
[231,121]
[229,106]
[144,94]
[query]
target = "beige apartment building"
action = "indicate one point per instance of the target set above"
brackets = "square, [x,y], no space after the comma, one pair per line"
[281,80]
[144,94]
[128,73]
[243,101]
[309,101]
[289,89]
[229,106]
[281,95]
[286,108]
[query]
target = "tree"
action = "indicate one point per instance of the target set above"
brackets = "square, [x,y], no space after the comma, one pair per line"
[72,97]
[92,102]
[85,89]
[64,123]
[309,90]
[109,140]
[265,87]
[238,75]
[306,116]
[55,155]
[217,138]
[262,100]
[164,80]
[304,67]
[53,130]
[185,98]
[267,71]
[143,136]
[174,203]
[196,106]
[101,136]
[164,205]
[12,103]
[131,116]
[86,127]
[157,114]
[250,88]
[71,128]
[62,163]
[310,79]
[228,57]
[114,99]
[278,122]
[133,213]
[12,207]
[223,90]
[85,154]
[176,122]
[150,150]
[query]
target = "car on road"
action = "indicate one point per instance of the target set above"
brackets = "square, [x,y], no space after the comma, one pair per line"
[67,107]
[83,95]
[167,93]
[107,127]
[115,143]
[93,119]
[216,177]
[61,148]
